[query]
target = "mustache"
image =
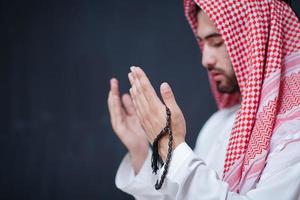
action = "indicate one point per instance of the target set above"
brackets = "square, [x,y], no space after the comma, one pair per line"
[214,67]
[216,70]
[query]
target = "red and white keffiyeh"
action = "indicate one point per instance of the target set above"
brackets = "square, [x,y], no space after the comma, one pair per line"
[263,43]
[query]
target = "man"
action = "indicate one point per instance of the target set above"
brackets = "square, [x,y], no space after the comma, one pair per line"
[250,148]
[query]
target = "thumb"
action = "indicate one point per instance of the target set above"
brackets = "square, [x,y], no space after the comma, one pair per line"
[167,95]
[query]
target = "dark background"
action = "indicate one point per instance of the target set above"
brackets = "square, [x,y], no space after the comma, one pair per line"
[56,61]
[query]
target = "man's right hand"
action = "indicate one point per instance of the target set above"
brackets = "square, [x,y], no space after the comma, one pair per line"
[127,126]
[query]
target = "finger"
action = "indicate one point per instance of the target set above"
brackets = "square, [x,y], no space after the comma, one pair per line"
[110,101]
[114,86]
[139,116]
[141,110]
[167,95]
[116,102]
[143,84]
[138,95]
[110,108]
[148,100]
[128,104]
[130,77]
[132,94]
[136,100]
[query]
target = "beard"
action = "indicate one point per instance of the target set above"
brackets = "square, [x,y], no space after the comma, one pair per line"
[229,85]
[226,81]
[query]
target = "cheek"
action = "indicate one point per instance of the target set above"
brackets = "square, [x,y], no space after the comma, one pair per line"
[224,60]
[224,54]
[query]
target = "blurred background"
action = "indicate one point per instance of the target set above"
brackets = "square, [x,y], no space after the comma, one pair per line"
[57,57]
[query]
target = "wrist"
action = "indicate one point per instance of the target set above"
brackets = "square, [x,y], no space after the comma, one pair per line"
[138,158]
[163,147]
[140,152]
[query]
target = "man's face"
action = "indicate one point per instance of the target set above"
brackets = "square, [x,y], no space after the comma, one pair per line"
[214,55]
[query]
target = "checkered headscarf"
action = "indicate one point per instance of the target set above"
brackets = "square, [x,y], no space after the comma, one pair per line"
[263,42]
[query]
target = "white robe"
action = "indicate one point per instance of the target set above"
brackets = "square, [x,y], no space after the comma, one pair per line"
[195,175]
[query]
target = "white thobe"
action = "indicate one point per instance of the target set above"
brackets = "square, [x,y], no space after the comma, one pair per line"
[195,175]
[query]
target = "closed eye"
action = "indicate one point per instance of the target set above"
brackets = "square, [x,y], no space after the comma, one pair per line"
[218,44]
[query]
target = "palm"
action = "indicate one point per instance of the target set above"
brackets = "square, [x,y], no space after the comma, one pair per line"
[131,132]
[125,122]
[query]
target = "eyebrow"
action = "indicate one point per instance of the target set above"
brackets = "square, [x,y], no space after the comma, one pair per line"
[210,36]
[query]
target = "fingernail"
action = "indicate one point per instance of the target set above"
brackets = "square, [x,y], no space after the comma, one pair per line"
[112,80]
[165,86]
[132,68]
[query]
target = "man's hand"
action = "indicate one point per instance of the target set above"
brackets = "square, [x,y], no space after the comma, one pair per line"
[126,125]
[151,111]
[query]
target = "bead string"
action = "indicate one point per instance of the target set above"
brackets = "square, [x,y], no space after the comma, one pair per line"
[155,154]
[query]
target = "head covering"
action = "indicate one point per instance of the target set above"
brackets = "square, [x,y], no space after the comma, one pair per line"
[263,42]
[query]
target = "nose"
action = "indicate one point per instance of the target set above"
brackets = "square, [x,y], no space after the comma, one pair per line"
[208,59]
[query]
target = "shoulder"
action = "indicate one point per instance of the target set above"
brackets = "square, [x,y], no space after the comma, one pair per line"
[218,126]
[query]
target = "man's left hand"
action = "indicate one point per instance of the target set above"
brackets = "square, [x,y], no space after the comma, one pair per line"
[152,112]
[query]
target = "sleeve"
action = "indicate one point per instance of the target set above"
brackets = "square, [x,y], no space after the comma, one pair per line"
[189,178]
[141,186]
